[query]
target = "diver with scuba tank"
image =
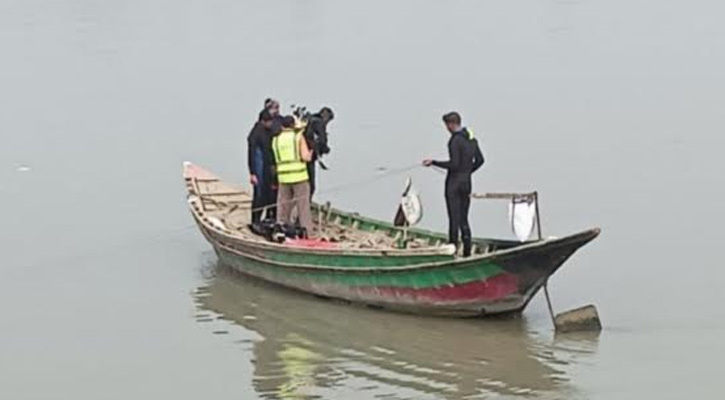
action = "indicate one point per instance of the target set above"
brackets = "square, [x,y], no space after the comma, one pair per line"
[316,137]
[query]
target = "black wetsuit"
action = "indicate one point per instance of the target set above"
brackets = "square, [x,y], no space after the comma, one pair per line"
[316,136]
[465,159]
[260,159]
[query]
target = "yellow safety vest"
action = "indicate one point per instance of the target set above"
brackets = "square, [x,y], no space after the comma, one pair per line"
[290,166]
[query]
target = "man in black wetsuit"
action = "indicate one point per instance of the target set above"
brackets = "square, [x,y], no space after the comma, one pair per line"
[465,159]
[260,161]
[316,136]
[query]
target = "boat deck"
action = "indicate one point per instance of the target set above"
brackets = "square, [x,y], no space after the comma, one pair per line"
[229,206]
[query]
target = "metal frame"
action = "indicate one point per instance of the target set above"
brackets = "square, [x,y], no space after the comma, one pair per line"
[534,196]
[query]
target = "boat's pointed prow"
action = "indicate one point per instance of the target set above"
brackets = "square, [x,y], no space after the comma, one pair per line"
[192,170]
[593,233]
[582,238]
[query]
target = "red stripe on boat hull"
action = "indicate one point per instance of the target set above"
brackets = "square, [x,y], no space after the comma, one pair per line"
[491,289]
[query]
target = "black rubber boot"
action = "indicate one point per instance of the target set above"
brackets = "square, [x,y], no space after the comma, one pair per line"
[466,238]
[467,247]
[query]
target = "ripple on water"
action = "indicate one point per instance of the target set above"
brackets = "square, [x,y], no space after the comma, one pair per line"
[310,347]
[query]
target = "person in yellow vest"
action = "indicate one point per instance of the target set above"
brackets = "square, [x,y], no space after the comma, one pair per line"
[291,155]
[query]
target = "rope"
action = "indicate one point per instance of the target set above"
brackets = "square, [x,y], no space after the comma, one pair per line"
[370,180]
[350,185]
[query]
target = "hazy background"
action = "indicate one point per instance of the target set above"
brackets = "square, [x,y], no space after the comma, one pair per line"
[612,110]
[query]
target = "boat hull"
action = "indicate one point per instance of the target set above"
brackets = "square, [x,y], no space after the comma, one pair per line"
[474,287]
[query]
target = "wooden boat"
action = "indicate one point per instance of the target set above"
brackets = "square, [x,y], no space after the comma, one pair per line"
[366,263]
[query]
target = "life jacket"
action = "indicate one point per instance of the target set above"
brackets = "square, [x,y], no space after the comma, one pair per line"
[290,166]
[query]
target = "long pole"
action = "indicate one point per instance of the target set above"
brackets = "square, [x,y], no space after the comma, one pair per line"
[538,218]
[548,303]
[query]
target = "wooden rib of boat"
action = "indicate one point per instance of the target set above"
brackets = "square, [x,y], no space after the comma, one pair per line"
[366,264]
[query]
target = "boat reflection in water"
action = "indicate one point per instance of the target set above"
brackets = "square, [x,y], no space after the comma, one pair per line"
[311,348]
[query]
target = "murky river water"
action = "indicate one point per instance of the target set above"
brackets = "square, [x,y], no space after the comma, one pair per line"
[612,110]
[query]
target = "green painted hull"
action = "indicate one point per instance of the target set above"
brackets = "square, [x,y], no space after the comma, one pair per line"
[501,282]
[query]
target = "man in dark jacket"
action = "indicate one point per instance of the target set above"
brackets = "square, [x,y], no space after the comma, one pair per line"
[260,160]
[465,158]
[316,136]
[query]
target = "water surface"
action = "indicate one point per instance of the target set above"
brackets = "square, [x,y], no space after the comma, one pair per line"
[610,109]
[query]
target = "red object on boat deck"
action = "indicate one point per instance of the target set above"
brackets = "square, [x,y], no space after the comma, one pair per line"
[311,243]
